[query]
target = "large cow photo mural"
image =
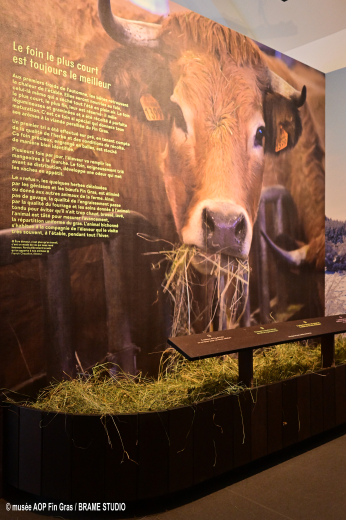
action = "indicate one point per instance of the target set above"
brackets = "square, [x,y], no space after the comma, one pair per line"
[160,175]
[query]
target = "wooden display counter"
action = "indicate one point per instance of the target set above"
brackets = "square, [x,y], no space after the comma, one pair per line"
[145,455]
[243,341]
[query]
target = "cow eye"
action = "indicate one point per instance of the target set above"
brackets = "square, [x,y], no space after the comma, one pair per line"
[260,134]
[178,116]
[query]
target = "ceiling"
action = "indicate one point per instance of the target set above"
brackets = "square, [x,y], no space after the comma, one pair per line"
[313,32]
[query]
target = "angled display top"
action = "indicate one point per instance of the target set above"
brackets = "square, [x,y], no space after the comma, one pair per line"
[209,344]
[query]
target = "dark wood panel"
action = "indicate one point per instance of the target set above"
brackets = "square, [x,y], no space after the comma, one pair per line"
[11,444]
[199,346]
[304,407]
[340,394]
[56,455]
[290,423]
[329,420]
[316,403]
[259,431]
[121,458]
[30,442]
[245,364]
[274,417]
[223,434]
[56,296]
[181,448]
[88,455]
[328,350]
[1,449]
[203,442]
[153,454]
[242,428]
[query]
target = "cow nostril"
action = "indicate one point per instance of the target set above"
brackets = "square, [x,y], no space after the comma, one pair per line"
[224,230]
[208,221]
[240,229]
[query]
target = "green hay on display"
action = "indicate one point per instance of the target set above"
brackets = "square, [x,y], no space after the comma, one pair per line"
[180,382]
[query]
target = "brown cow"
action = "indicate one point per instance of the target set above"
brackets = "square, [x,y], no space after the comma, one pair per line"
[218,96]
[224,107]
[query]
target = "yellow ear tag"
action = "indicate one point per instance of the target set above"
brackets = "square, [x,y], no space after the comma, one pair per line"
[281,140]
[151,108]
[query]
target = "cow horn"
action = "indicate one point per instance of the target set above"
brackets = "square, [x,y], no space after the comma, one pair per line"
[281,86]
[128,32]
[296,257]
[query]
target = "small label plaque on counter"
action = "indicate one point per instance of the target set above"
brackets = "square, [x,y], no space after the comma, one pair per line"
[265,331]
[210,339]
[305,324]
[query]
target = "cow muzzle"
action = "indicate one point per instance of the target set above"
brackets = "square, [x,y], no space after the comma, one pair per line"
[219,227]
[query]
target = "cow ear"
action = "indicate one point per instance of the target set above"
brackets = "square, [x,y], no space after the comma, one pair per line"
[282,121]
[142,80]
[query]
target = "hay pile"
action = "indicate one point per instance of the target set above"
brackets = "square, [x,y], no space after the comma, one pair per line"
[180,382]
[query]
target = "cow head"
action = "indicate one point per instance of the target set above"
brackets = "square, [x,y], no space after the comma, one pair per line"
[221,108]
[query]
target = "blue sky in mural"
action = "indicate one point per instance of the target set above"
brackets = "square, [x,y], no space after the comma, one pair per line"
[154,6]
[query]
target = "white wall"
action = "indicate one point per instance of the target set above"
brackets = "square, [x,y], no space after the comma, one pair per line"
[336,144]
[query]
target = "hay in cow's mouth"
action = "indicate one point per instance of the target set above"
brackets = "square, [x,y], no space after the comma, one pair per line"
[226,303]
[231,277]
